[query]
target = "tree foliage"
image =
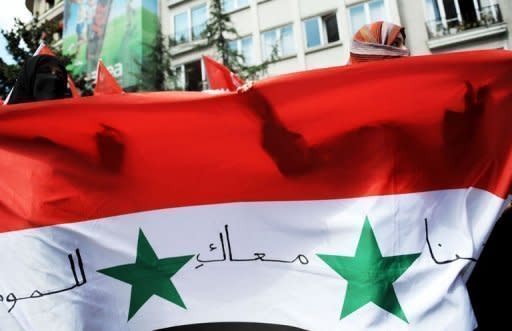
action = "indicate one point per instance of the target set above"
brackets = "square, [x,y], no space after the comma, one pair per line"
[23,39]
[219,32]
[156,72]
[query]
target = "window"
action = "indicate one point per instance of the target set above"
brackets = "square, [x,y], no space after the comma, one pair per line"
[230,5]
[313,34]
[445,17]
[46,5]
[459,11]
[190,25]
[244,47]
[432,10]
[180,78]
[321,30]
[181,28]
[377,12]
[194,76]
[367,13]
[190,76]
[280,40]
[199,18]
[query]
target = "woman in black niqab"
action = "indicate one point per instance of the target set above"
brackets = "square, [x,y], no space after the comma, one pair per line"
[43,77]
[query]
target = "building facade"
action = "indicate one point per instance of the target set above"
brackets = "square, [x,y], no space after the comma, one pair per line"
[48,10]
[309,34]
[437,26]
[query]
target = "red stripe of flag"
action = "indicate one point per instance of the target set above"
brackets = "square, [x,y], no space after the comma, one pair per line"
[400,126]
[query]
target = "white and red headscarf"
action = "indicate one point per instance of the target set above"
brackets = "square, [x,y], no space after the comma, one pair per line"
[377,41]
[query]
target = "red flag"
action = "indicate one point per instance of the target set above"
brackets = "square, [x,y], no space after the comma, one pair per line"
[380,147]
[72,88]
[220,77]
[105,82]
[43,49]
[420,130]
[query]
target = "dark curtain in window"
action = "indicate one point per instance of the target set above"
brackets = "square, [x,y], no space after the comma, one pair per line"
[468,11]
[449,9]
[193,76]
[331,26]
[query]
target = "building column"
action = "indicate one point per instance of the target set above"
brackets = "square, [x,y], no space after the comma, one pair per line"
[457,9]
[298,33]
[477,9]
[344,31]
[256,34]
[391,7]
[493,5]
[442,13]
[204,78]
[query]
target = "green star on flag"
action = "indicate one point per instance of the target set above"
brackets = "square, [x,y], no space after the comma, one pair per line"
[149,275]
[370,276]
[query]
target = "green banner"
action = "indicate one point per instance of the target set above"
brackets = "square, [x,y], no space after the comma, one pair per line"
[120,32]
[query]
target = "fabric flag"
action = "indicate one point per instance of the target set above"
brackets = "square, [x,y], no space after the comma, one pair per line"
[219,76]
[106,84]
[43,49]
[347,198]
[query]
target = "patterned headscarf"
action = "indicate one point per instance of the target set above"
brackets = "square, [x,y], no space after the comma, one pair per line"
[378,41]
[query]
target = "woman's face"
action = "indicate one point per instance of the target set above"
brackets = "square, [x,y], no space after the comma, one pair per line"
[49,82]
[399,41]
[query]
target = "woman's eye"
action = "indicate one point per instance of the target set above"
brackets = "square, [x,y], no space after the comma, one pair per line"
[44,70]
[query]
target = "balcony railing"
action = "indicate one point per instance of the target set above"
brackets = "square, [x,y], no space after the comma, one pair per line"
[47,6]
[49,13]
[485,17]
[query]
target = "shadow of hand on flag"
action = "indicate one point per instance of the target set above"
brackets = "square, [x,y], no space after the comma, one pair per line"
[461,128]
[288,149]
[110,148]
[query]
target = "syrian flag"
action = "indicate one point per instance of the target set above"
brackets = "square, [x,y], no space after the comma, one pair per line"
[183,211]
